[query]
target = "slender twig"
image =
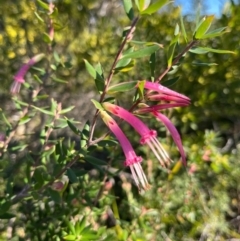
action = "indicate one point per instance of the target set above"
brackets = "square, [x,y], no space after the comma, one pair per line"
[110,76]
[176,60]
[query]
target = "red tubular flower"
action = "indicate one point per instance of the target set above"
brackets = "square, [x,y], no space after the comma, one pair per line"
[164,97]
[132,160]
[19,77]
[164,90]
[174,133]
[158,107]
[148,136]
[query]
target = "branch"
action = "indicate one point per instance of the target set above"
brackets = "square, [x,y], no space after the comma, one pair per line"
[110,76]
[176,60]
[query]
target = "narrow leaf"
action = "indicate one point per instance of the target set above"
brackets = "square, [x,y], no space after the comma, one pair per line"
[170,82]
[215,33]
[124,62]
[91,70]
[137,3]
[67,109]
[127,4]
[97,104]
[183,29]
[70,237]
[6,120]
[46,38]
[203,64]
[38,17]
[154,7]
[47,112]
[126,68]
[43,4]
[142,52]
[72,176]
[73,127]
[24,120]
[203,27]
[95,161]
[99,81]
[122,87]
[59,80]
[37,79]
[108,143]
[172,46]
[204,50]
[143,4]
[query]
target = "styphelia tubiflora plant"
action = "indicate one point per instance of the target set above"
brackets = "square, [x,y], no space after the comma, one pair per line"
[148,136]
[50,157]
[20,75]
[132,160]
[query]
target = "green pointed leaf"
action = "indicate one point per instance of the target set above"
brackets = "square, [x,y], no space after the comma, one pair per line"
[183,29]
[138,42]
[143,4]
[47,112]
[85,134]
[215,33]
[170,82]
[108,143]
[203,64]
[91,235]
[124,62]
[137,4]
[38,17]
[6,120]
[99,70]
[140,86]
[37,79]
[91,70]
[99,81]
[25,119]
[67,109]
[21,103]
[204,50]
[38,175]
[43,5]
[154,7]
[127,4]
[73,127]
[94,161]
[59,80]
[70,237]
[147,51]
[203,26]
[97,104]
[122,87]
[81,225]
[46,38]
[72,176]
[126,68]
[171,48]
